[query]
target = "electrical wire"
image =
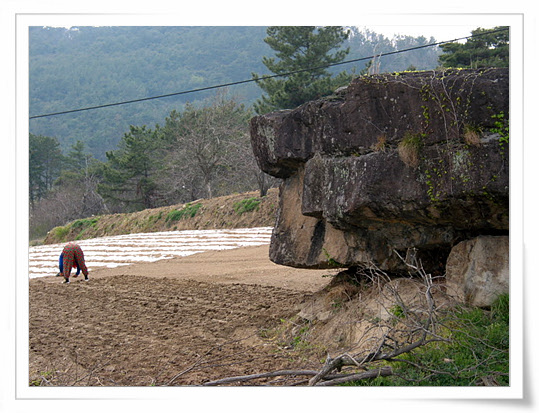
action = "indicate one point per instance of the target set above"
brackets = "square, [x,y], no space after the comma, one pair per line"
[261,78]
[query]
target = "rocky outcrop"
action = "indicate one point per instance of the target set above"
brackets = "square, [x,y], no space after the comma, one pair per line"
[392,163]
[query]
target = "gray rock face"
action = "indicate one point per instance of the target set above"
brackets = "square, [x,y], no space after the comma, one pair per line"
[414,160]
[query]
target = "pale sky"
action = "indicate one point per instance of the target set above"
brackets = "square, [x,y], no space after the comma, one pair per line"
[440,33]
[441,26]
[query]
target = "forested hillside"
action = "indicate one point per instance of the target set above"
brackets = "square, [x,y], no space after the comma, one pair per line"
[89,66]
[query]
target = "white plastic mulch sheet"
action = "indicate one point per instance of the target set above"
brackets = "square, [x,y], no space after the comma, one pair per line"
[148,247]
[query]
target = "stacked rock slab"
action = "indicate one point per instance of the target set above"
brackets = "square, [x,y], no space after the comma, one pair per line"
[403,163]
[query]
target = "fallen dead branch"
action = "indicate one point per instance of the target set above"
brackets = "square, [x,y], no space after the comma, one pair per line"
[261,376]
[331,380]
[370,374]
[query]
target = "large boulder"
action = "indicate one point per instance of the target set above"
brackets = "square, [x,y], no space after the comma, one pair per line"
[390,163]
[477,270]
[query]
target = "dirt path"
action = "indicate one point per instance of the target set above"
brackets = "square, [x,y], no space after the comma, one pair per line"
[181,321]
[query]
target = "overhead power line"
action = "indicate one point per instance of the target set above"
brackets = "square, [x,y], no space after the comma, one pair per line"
[261,78]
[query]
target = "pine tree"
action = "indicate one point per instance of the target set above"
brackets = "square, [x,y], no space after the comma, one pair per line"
[45,164]
[298,48]
[80,176]
[483,50]
[129,175]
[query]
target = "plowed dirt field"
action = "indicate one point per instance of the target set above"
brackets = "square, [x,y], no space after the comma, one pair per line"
[180,321]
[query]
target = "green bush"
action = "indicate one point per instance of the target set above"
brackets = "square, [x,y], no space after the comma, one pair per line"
[188,211]
[246,205]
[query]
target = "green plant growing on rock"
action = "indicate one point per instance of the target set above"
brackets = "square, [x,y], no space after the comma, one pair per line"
[331,261]
[409,148]
[380,145]
[501,127]
[432,186]
[472,135]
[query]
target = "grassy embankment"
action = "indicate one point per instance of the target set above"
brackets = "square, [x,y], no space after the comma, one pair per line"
[232,211]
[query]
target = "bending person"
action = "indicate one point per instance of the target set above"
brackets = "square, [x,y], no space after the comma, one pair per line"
[61,265]
[73,256]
